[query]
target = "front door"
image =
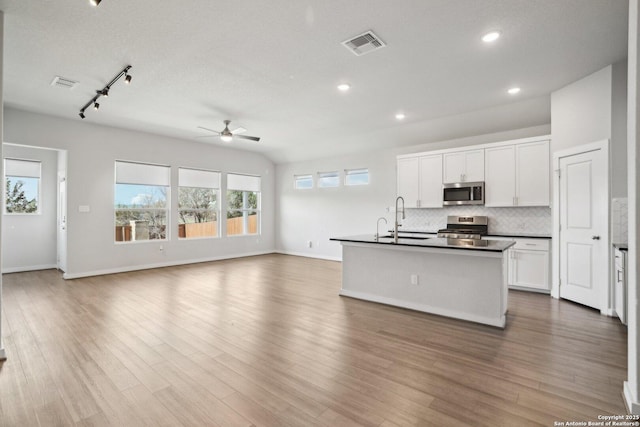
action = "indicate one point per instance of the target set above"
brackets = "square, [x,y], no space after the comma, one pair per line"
[583,228]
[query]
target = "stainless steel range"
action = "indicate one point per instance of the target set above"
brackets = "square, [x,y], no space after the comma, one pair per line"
[465,228]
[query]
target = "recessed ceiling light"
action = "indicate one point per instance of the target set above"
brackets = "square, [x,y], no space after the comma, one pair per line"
[513,90]
[400,116]
[491,37]
[344,87]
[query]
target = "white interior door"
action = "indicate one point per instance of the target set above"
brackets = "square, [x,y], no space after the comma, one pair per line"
[583,228]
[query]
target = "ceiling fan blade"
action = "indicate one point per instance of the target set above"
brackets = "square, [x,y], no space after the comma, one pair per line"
[252,138]
[209,130]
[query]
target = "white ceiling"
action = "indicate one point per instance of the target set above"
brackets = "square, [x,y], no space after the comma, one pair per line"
[273,66]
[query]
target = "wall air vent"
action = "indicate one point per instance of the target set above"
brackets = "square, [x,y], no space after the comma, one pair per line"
[364,43]
[63,83]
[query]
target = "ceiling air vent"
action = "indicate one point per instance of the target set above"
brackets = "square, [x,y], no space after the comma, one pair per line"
[63,83]
[364,43]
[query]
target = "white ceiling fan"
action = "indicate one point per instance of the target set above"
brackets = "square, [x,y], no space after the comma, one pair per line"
[226,135]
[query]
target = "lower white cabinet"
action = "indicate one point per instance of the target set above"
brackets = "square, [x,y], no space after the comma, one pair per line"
[620,285]
[529,264]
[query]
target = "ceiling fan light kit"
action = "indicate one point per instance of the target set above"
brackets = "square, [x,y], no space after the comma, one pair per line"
[105,91]
[227,136]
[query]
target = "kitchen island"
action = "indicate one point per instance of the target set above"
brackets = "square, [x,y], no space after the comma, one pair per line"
[432,275]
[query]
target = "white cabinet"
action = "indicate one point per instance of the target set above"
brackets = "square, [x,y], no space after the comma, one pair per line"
[420,181]
[620,285]
[463,166]
[409,181]
[517,175]
[529,265]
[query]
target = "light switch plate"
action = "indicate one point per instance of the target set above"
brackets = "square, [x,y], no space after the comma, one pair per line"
[84,208]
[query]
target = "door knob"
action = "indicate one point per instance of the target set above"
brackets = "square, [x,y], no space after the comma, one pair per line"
[595,237]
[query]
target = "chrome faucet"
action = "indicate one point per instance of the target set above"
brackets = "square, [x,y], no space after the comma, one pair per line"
[378,227]
[395,229]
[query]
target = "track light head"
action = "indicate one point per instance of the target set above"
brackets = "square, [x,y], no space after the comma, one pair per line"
[127,78]
[105,92]
[82,116]
[96,105]
[94,2]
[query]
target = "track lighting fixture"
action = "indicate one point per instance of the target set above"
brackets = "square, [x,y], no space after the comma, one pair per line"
[94,2]
[105,91]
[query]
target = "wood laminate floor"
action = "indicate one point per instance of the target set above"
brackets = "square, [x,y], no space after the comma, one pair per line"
[267,341]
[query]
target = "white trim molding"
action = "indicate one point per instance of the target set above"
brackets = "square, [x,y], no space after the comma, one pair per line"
[29,268]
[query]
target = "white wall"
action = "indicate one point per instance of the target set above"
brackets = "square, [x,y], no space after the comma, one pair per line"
[619,129]
[29,241]
[581,111]
[91,152]
[592,109]
[321,213]
[631,388]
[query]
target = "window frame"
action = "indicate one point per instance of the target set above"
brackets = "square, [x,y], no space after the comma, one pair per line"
[5,177]
[300,178]
[216,211]
[246,210]
[356,172]
[167,209]
[332,174]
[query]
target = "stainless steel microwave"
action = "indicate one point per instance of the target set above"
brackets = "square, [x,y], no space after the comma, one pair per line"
[463,193]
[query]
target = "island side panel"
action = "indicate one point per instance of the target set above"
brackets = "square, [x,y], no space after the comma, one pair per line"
[461,284]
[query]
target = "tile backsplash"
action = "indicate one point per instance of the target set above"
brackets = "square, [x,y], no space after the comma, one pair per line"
[619,220]
[522,220]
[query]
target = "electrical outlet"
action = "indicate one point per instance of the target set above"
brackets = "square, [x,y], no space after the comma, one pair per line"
[414,279]
[161,248]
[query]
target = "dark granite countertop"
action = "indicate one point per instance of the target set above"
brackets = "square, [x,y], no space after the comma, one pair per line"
[514,236]
[428,242]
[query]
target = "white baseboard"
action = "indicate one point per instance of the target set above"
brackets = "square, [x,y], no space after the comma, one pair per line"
[28,268]
[632,407]
[307,255]
[159,265]
[500,323]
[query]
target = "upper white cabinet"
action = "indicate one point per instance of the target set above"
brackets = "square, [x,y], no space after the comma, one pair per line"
[463,166]
[532,174]
[517,175]
[420,181]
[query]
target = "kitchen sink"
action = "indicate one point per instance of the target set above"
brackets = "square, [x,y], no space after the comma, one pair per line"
[390,236]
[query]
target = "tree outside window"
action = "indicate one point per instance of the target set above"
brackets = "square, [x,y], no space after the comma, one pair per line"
[243,204]
[20,199]
[22,186]
[141,201]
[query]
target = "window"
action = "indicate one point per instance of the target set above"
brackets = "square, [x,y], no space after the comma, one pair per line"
[328,179]
[22,186]
[303,182]
[243,204]
[141,201]
[198,203]
[356,177]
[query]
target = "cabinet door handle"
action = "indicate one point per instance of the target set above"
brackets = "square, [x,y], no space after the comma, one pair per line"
[595,237]
[618,273]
